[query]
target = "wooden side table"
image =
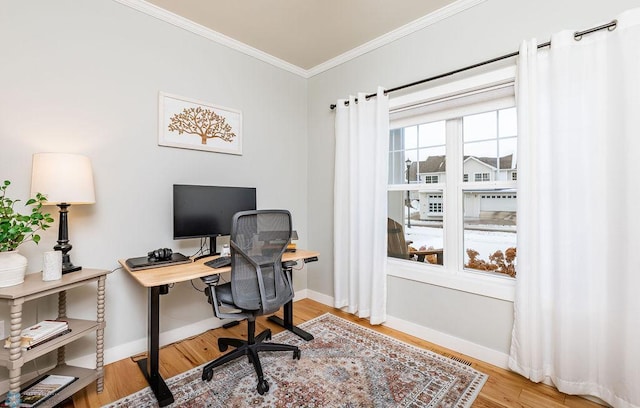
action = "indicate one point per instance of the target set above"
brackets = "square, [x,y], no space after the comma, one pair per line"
[15,357]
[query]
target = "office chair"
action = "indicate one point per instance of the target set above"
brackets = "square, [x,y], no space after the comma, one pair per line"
[259,285]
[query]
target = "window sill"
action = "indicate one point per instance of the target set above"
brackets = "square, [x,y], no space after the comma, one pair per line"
[478,283]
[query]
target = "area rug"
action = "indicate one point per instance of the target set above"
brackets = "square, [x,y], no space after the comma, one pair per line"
[346,365]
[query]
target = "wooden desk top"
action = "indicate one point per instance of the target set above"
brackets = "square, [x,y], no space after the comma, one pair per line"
[165,275]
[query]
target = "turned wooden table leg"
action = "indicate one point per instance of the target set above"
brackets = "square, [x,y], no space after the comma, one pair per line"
[15,353]
[100,335]
[62,314]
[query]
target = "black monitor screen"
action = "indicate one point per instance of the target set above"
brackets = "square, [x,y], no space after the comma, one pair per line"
[206,211]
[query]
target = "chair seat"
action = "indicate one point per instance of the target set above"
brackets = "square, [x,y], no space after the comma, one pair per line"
[223,293]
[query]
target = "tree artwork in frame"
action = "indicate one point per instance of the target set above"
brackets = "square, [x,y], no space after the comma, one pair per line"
[190,124]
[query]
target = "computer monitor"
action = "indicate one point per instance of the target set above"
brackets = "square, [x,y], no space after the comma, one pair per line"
[206,211]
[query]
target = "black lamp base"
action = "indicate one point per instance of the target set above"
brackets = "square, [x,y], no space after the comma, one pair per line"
[70,268]
[63,241]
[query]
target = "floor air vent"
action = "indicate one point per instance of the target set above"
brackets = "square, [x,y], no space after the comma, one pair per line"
[460,360]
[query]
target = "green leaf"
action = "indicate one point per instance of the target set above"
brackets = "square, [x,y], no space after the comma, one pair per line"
[16,228]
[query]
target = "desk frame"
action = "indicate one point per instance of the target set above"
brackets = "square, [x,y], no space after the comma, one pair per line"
[157,281]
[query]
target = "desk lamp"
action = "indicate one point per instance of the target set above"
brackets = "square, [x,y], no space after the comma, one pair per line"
[64,179]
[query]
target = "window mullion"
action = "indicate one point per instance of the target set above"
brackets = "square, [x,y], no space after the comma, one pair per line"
[453,197]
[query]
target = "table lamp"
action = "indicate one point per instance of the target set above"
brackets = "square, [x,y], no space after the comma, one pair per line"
[64,179]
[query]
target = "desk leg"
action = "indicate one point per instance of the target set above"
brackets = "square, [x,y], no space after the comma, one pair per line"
[287,322]
[150,365]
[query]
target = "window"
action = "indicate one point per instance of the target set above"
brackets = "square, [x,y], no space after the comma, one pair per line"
[481,177]
[473,222]
[434,202]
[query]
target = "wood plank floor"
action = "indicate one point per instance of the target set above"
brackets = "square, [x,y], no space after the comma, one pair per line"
[503,388]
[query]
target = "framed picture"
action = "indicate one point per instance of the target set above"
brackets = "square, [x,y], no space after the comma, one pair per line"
[191,124]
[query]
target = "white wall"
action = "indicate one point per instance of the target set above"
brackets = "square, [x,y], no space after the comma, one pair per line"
[491,29]
[83,77]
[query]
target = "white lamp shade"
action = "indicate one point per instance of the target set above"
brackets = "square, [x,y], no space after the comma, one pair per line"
[63,178]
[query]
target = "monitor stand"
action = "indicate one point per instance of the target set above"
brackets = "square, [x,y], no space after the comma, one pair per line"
[212,245]
[212,248]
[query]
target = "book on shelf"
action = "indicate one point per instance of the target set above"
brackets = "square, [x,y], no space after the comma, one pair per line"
[39,332]
[43,389]
[48,339]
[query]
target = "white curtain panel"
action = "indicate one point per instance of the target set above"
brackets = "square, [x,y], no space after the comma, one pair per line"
[360,206]
[577,306]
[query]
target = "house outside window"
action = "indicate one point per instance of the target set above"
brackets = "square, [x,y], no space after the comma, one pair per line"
[478,139]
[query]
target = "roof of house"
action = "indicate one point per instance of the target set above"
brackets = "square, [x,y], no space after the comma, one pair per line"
[437,164]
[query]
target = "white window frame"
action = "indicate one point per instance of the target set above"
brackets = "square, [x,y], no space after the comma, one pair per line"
[452,274]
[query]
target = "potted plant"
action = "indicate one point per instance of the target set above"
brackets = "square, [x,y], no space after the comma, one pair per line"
[16,229]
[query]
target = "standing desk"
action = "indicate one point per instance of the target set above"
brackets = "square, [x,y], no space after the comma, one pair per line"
[157,281]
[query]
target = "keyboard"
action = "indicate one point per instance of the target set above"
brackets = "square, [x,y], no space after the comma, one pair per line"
[219,262]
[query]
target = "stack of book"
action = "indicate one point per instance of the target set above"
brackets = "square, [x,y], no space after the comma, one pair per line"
[41,390]
[39,333]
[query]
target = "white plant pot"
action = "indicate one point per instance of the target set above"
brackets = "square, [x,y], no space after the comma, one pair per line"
[13,266]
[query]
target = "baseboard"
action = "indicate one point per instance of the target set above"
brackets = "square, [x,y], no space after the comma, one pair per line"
[442,339]
[138,346]
[457,344]
[320,297]
[300,294]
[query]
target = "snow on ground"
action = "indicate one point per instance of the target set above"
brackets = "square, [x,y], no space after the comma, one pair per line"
[485,242]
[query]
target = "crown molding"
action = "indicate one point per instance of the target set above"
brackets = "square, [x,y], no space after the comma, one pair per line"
[409,28]
[178,21]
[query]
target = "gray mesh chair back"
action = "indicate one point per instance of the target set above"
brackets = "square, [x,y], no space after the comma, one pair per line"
[258,241]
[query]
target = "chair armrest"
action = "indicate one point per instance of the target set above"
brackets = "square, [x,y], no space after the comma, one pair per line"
[211,279]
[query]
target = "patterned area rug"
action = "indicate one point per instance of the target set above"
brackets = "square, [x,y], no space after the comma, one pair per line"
[346,365]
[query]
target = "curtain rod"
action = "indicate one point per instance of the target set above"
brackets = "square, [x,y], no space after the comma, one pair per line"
[576,36]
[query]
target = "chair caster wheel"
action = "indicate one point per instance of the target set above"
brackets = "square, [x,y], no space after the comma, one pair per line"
[296,355]
[263,386]
[222,346]
[268,335]
[207,375]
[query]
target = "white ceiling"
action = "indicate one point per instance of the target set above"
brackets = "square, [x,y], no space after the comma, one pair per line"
[303,33]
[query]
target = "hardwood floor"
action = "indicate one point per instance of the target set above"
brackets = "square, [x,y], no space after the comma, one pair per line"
[503,388]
